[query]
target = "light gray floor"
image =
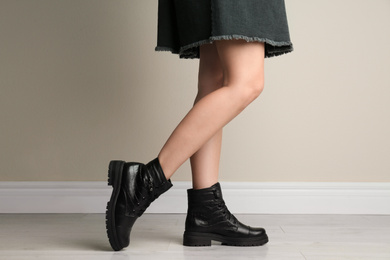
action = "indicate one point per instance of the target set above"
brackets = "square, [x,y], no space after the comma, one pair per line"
[155,236]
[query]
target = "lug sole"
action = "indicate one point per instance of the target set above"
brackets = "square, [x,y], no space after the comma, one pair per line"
[204,239]
[115,170]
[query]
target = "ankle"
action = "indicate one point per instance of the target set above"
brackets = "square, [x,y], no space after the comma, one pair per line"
[165,168]
[203,184]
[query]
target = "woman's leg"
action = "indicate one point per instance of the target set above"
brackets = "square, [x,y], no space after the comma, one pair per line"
[136,185]
[243,81]
[205,162]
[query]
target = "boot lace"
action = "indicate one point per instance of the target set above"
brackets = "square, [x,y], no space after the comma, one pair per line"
[225,211]
[144,197]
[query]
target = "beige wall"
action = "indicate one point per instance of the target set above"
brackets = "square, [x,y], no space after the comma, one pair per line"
[81,84]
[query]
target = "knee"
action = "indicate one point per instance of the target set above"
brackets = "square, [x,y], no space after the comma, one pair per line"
[256,87]
[250,90]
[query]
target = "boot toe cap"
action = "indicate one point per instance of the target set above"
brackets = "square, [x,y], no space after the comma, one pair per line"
[123,234]
[257,232]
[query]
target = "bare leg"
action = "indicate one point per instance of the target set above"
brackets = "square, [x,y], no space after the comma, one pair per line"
[243,67]
[205,162]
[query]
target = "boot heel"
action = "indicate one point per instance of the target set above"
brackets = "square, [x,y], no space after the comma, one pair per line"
[114,168]
[191,239]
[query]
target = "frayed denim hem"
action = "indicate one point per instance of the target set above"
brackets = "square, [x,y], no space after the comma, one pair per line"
[161,48]
[191,51]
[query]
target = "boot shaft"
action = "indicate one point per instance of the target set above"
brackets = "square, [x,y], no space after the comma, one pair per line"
[206,208]
[202,197]
[142,184]
[156,176]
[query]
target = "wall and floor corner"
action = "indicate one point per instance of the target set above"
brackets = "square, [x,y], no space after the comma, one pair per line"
[81,84]
[241,197]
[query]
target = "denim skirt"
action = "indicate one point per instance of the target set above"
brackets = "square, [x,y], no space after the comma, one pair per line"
[184,25]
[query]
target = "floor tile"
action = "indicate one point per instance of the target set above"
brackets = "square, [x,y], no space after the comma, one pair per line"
[304,237]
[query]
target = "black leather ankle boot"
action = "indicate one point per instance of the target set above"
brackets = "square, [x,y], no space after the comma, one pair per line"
[209,219]
[135,186]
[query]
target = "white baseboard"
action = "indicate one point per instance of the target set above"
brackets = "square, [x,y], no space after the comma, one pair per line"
[241,197]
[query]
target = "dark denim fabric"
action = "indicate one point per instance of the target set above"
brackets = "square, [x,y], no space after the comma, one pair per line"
[184,25]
